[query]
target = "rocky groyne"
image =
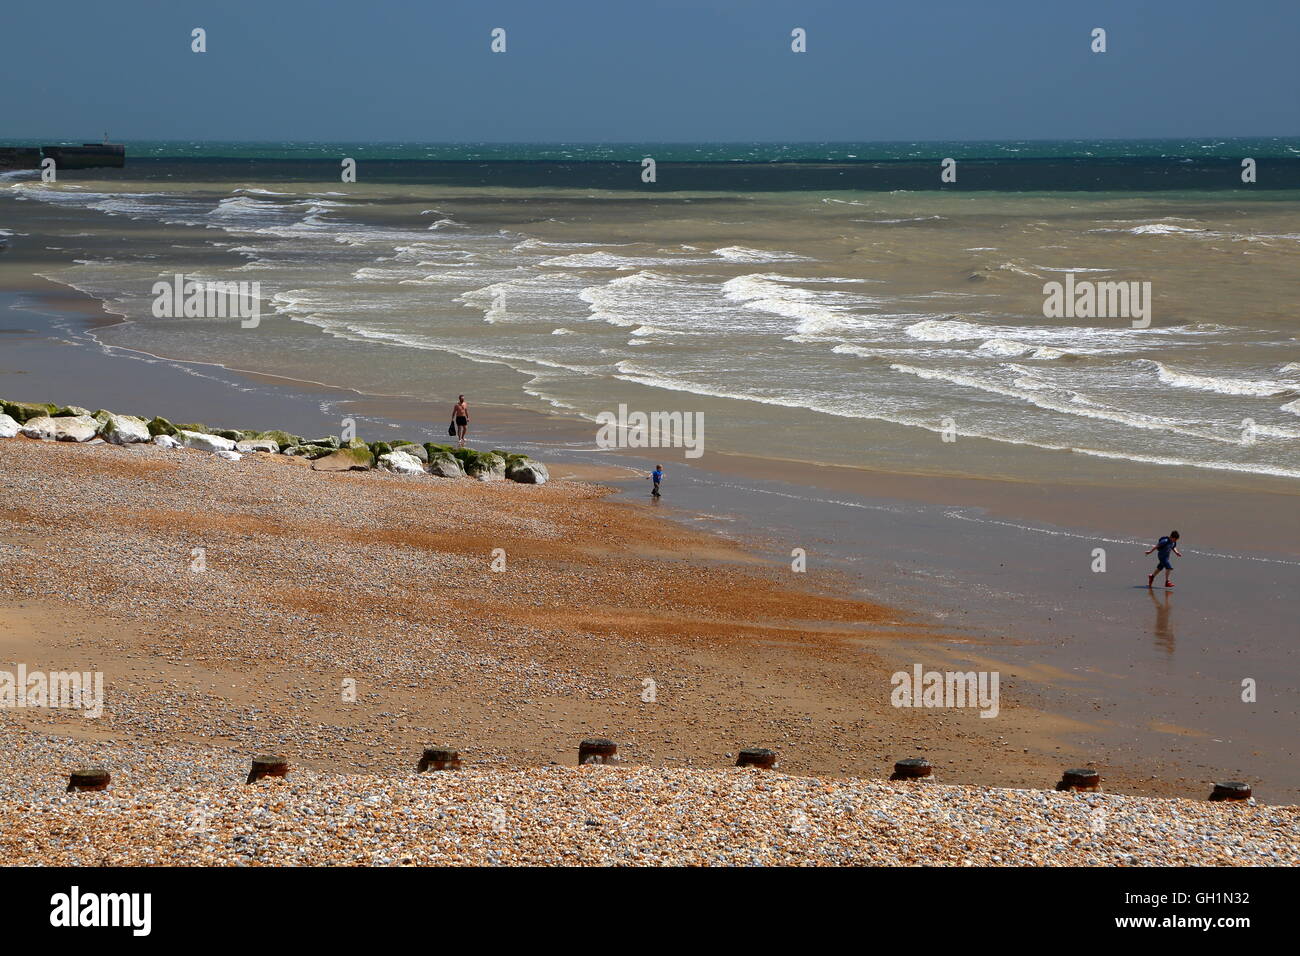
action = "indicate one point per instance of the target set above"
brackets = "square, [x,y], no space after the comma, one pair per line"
[48,422]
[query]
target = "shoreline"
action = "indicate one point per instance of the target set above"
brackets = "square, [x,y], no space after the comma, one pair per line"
[1062,502]
[1055,685]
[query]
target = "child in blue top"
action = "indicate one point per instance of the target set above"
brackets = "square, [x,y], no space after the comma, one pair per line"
[656,476]
[1164,546]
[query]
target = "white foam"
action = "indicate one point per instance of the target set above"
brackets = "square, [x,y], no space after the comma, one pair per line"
[529,245]
[1224,386]
[890,222]
[1013,349]
[599,260]
[1077,404]
[1162,229]
[815,312]
[945,330]
[746,254]
[645,330]
[648,297]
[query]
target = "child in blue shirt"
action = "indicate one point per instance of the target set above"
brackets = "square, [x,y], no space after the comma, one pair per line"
[1164,546]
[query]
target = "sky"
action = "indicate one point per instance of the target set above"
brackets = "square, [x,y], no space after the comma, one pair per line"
[653,71]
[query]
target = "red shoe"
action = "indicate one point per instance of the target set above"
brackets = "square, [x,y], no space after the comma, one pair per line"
[1150,578]
[1168,584]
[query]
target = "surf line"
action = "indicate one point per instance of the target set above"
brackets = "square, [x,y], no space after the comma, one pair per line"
[1091,537]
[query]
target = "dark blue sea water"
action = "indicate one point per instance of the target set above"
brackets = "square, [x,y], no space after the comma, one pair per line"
[1279,147]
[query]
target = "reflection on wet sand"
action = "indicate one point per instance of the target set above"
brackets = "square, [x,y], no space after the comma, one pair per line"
[1164,631]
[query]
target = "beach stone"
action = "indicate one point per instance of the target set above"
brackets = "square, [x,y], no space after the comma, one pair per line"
[22,411]
[345,459]
[401,463]
[161,426]
[487,466]
[165,441]
[328,442]
[307,451]
[8,427]
[411,448]
[228,455]
[524,470]
[281,438]
[70,428]
[123,429]
[204,441]
[73,411]
[445,465]
[257,444]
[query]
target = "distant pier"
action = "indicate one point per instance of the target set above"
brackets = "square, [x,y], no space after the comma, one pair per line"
[85,156]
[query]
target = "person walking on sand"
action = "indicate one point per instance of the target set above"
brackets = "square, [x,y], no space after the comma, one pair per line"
[656,476]
[1166,544]
[460,416]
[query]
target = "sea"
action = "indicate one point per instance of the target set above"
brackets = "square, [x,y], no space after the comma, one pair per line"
[839,303]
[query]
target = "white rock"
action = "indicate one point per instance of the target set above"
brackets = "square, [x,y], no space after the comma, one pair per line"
[204,442]
[257,444]
[8,427]
[65,428]
[166,441]
[401,463]
[228,455]
[124,429]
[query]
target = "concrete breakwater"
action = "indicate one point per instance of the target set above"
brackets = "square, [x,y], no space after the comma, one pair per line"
[85,156]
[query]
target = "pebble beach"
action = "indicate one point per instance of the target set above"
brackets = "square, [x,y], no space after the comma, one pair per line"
[176,807]
[608,621]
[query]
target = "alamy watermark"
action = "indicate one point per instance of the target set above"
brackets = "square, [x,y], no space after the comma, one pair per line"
[62,690]
[1086,299]
[130,910]
[651,430]
[194,299]
[946,689]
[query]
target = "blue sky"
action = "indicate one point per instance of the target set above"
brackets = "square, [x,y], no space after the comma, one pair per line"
[663,70]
